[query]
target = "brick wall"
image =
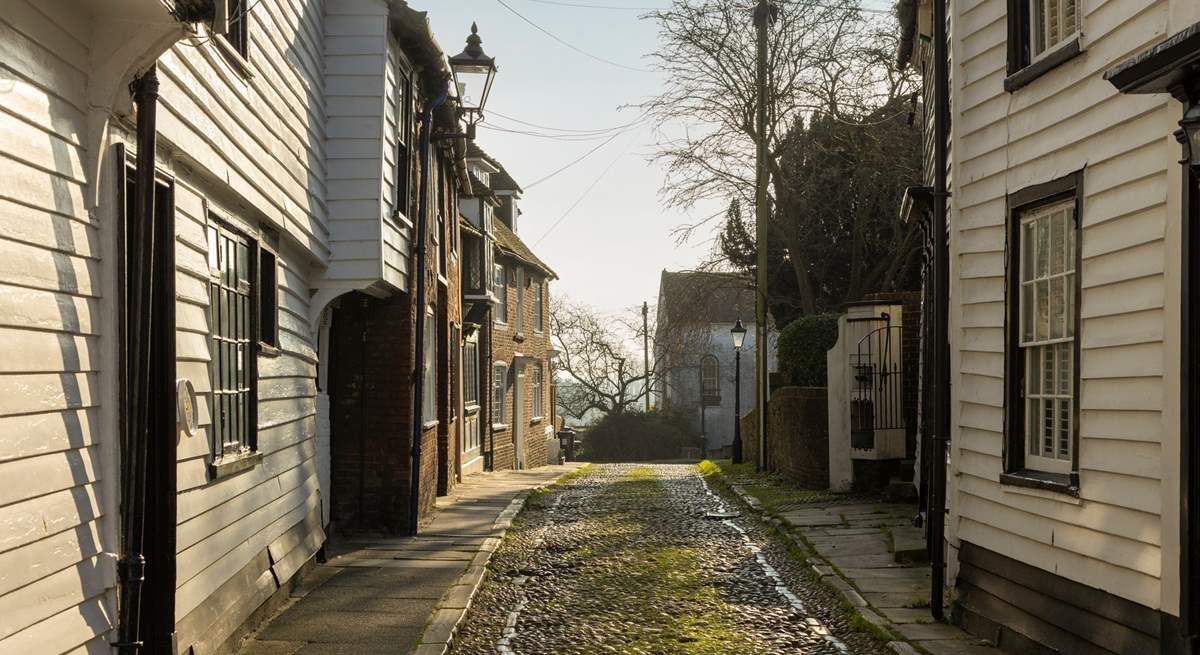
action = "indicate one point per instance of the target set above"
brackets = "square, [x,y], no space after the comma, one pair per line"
[509,340]
[797,435]
[371,413]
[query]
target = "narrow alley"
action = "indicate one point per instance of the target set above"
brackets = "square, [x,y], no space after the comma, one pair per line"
[626,558]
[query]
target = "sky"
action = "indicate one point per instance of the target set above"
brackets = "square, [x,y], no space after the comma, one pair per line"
[600,224]
[610,248]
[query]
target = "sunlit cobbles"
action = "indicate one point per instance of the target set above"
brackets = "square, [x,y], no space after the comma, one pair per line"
[622,560]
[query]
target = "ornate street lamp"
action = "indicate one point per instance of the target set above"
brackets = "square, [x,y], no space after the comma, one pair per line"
[738,336]
[473,73]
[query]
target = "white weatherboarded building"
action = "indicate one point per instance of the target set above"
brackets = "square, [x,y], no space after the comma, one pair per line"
[1067,526]
[241,170]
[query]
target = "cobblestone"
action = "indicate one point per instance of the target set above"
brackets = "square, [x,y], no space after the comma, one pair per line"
[625,559]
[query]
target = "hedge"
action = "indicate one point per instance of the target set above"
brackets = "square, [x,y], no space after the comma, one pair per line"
[802,349]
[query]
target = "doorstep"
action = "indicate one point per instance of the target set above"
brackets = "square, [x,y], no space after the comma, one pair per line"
[406,594]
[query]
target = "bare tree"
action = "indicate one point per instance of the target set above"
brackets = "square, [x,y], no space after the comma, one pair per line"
[823,59]
[601,359]
[603,374]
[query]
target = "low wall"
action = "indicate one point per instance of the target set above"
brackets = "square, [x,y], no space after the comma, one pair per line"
[797,433]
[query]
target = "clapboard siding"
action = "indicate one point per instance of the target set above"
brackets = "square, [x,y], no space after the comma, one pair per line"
[1070,119]
[358,71]
[54,577]
[225,523]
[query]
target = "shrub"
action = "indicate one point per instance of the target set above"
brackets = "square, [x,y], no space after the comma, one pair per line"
[802,349]
[638,436]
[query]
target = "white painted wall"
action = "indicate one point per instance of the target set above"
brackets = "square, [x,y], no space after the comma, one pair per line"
[57,530]
[1071,118]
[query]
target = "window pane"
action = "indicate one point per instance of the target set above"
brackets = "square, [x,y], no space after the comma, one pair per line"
[1057,308]
[1043,310]
[1047,368]
[1043,246]
[1031,430]
[1033,368]
[1056,242]
[1047,428]
[1027,305]
[1064,429]
[1066,371]
[213,248]
[1028,249]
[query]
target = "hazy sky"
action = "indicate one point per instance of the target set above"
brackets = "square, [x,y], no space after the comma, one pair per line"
[608,251]
[611,247]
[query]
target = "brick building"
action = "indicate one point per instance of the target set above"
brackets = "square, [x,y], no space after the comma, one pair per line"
[506,293]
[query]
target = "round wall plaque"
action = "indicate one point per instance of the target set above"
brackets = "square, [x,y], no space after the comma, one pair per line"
[185,406]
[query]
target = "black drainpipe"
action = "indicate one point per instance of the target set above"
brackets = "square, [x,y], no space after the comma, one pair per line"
[941,312]
[138,330]
[421,238]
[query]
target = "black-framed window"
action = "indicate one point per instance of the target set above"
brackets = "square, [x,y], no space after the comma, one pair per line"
[1042,344]
[499,386]
[233,310]
[402,198]
[239,26]
[1042,34]
[268,299]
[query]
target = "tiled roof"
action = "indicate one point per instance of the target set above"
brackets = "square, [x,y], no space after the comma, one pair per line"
[501,181]
[512,245]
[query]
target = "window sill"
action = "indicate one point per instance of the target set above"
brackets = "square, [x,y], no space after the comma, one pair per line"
[1065,484]
[429,425]
[499,427]
[233,464]
[1027,75]
[535,420]
[471,409]
[519,337]
[267,350]
[236,60]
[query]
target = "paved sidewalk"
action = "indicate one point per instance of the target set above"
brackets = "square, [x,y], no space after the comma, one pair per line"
[854,547]
[406,594]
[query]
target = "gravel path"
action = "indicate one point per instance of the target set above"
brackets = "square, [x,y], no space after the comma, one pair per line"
[624,559]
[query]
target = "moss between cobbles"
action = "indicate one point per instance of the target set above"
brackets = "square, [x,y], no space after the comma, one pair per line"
[691,617]
[772,502]
[775,492]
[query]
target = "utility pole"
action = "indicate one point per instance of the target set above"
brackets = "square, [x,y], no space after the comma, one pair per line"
[764,15]
[646,349]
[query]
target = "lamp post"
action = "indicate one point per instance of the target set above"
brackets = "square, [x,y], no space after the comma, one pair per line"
[738,335]
[473,73]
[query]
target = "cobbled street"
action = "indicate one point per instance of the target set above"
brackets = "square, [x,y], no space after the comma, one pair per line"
[625,559]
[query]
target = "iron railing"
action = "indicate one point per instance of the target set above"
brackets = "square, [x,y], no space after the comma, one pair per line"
[877,401]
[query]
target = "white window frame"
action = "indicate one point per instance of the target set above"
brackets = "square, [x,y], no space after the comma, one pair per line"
[537,391]
[500,283]
[429,371]
[519,280]
[1039,26]
[1047,335]
[499,387]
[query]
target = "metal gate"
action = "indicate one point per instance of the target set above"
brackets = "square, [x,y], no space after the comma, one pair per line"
[877,401]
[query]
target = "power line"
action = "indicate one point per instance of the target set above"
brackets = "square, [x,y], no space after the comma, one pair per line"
[573,162]
[492,112]
[561,41]
[554,137]
[579,199]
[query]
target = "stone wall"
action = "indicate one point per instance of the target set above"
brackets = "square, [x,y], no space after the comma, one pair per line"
[797,434]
